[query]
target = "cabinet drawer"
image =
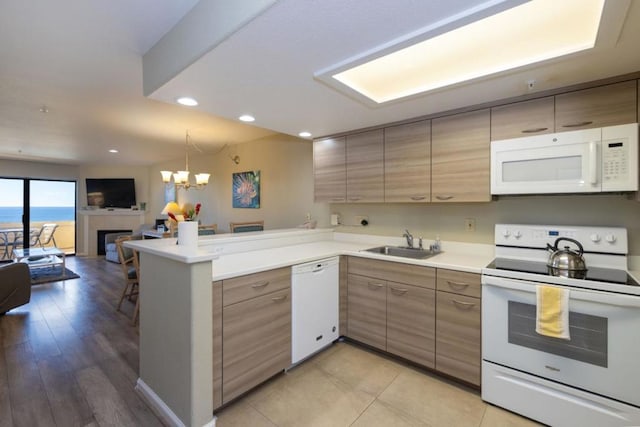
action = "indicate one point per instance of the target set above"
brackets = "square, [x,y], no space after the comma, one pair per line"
[459,282]
[458,336]
[256,342]
[367,314]
[411,320]
[253,285]
[424,277]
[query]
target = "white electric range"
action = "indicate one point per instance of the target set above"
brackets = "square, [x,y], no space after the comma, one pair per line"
[591,379]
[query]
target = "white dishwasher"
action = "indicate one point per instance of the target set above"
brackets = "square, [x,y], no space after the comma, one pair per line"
[314,307]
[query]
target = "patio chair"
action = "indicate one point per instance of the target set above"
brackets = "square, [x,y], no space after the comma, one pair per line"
[40,238]
[45,236]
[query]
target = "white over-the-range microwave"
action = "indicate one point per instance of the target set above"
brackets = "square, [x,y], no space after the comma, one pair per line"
[583,161]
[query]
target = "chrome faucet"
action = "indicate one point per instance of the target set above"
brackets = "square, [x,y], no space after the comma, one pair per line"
[409,238]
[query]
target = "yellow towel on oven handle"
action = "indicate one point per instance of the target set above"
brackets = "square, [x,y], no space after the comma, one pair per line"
[552,311]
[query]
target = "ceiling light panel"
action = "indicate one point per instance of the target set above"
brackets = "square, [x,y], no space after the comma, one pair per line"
[526,34]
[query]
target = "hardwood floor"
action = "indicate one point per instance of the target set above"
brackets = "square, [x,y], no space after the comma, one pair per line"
[68,358]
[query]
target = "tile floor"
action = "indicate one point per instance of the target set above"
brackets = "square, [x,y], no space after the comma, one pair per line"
[347,385]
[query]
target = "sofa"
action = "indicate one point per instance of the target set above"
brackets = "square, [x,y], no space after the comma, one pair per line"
[15,286]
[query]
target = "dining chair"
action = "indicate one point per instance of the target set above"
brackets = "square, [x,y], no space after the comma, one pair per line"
[130,268]
[241,227]
[207,230]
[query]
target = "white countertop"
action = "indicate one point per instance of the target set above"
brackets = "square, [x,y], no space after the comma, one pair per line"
[236,255]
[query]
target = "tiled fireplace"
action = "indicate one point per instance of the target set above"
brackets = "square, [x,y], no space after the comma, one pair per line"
[105,220]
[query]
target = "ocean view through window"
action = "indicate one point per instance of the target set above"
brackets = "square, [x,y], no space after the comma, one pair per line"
[39,202]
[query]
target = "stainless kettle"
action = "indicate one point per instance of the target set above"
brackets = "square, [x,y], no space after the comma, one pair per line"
[566,262]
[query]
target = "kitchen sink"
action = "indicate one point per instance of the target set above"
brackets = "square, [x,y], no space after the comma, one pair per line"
[402,251]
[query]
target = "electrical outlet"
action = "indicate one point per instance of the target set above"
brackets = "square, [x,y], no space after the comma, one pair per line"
[470,224]
[362,220]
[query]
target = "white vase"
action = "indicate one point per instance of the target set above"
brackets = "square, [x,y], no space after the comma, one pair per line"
[188,234]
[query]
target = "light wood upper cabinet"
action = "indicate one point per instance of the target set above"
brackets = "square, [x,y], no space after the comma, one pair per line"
[407,162]
[365,167]
[609,105]
[461,157]
[534,117]
[329,170]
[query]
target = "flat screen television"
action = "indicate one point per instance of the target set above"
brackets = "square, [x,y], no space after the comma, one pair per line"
[111,192]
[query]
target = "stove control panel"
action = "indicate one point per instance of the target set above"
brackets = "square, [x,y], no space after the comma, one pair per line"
[609,240]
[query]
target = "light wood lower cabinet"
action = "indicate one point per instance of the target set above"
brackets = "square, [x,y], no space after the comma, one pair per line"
[410,322]
[458,309]
[217,343]
[393,315]
[426,315]
[367,310]
[256,341]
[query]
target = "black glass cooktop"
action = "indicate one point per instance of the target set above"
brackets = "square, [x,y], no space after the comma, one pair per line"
[597,274]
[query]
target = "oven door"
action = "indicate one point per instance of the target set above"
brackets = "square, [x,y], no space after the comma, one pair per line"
[602,355]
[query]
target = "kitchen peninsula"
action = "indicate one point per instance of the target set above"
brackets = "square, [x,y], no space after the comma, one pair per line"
[181,308]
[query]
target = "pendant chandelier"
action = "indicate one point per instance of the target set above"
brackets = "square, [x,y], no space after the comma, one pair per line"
[181,178]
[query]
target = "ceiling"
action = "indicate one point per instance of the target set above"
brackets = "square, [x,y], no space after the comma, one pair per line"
[84,61]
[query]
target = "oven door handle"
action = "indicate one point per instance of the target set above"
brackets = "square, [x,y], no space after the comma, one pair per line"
[598,297]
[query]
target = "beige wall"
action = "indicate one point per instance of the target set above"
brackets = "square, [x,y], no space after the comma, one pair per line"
[447,220]
[286,174]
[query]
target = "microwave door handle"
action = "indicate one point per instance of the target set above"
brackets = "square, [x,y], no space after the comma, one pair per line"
[593,163]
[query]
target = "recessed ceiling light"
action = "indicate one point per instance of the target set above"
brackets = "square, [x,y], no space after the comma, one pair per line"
[529,33]
[188,101]
[304,134]
[246,118]
[113,151]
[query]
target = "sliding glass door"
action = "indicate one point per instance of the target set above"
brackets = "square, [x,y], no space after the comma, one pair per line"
[43,211]
[11,215]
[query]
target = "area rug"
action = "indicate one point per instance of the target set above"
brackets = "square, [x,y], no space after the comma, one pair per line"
[50,274]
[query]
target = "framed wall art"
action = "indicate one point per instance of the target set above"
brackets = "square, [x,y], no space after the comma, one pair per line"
[246,189]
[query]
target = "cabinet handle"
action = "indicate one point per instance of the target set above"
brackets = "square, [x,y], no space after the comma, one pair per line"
[575,125]
[418,197]
[444,197]
[260,285]
[463,305]
[534,130]
[458,286]
[354,199]
[375,286]
[279,299]
[398,291]
[337,199]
